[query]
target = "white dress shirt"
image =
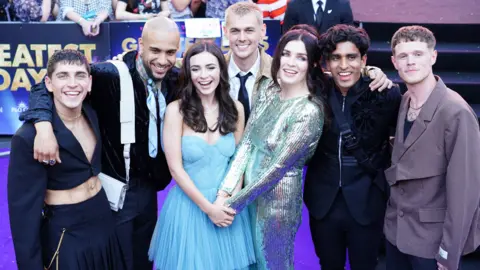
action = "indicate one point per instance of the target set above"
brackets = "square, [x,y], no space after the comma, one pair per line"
[233,70]
[316,5]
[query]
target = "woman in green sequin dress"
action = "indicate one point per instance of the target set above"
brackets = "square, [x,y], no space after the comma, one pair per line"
[281,136]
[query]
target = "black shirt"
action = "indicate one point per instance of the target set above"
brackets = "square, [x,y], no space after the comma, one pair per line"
[407,128]
[29,179]
[372,116]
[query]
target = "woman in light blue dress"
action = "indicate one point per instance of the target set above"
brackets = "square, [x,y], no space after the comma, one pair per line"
[200,132]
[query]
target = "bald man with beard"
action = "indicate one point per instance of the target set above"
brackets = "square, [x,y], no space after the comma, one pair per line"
[154,75]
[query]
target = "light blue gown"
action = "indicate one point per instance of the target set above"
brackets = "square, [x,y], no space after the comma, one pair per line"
[184,237]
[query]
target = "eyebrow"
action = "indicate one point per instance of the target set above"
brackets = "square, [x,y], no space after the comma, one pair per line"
[301,54]
[207,65]
[246,28]
[407,53]
[348,54]
[153,48]
[66,73]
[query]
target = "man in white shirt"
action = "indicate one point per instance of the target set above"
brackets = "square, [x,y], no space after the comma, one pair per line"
[248,63]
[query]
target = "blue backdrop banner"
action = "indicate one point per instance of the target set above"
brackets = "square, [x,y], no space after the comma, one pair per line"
[25,49]
[24,52]
[124,37]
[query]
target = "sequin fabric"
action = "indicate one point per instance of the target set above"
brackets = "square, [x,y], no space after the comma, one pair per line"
[280,137]
[28,10]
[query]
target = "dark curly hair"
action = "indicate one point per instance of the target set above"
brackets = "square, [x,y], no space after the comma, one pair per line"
[191,106]
[66,57]
[343,33]
[315,76]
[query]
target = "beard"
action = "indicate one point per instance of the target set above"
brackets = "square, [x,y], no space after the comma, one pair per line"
[149,71]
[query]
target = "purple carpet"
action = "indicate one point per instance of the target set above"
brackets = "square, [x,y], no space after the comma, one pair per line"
[304,253]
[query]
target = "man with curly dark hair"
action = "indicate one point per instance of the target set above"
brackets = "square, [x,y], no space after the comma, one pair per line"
[345,189]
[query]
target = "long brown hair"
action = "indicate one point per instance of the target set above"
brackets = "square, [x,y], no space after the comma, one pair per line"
[191,106]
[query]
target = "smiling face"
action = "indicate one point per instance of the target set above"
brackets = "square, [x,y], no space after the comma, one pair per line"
[244,34]
[205,73]
[345,64]
[158,49]
[414,60]
[69,83]
[293,64]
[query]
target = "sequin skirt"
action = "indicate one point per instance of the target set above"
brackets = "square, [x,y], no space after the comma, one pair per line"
[81,236]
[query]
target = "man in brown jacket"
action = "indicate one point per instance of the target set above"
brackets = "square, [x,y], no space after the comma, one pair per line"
[432,217]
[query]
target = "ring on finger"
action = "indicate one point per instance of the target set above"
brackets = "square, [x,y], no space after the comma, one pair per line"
[52,161]
[45,162]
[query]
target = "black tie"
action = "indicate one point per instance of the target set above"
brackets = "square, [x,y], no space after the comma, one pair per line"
[319,15]
[243,94]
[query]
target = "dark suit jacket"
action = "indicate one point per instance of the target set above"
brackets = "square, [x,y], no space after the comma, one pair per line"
[433,210]
[371,115]
[105,99]
[28,181]
[302,12]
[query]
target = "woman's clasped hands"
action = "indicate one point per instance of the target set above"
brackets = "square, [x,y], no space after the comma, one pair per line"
[221,215]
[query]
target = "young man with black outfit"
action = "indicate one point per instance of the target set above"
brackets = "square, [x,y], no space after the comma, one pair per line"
[345,190]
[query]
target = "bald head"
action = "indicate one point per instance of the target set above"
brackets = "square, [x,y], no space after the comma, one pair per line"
[158,46]
[160,24]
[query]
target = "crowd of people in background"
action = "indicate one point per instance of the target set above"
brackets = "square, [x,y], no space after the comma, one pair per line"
[120,10]
[90,13]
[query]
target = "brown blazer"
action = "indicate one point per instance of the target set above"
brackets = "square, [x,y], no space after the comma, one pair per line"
[433,210]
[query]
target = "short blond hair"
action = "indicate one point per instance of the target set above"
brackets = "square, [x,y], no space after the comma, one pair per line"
[243,8]
[413,33]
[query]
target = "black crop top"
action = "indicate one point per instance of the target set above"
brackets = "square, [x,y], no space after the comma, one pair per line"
[29,179]
[75,168]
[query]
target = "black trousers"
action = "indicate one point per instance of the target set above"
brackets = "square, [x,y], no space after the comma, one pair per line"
[83,234]
[338,232]
[135,225]
[396,260]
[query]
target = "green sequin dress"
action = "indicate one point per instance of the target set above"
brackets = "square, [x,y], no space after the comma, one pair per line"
[281,135]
